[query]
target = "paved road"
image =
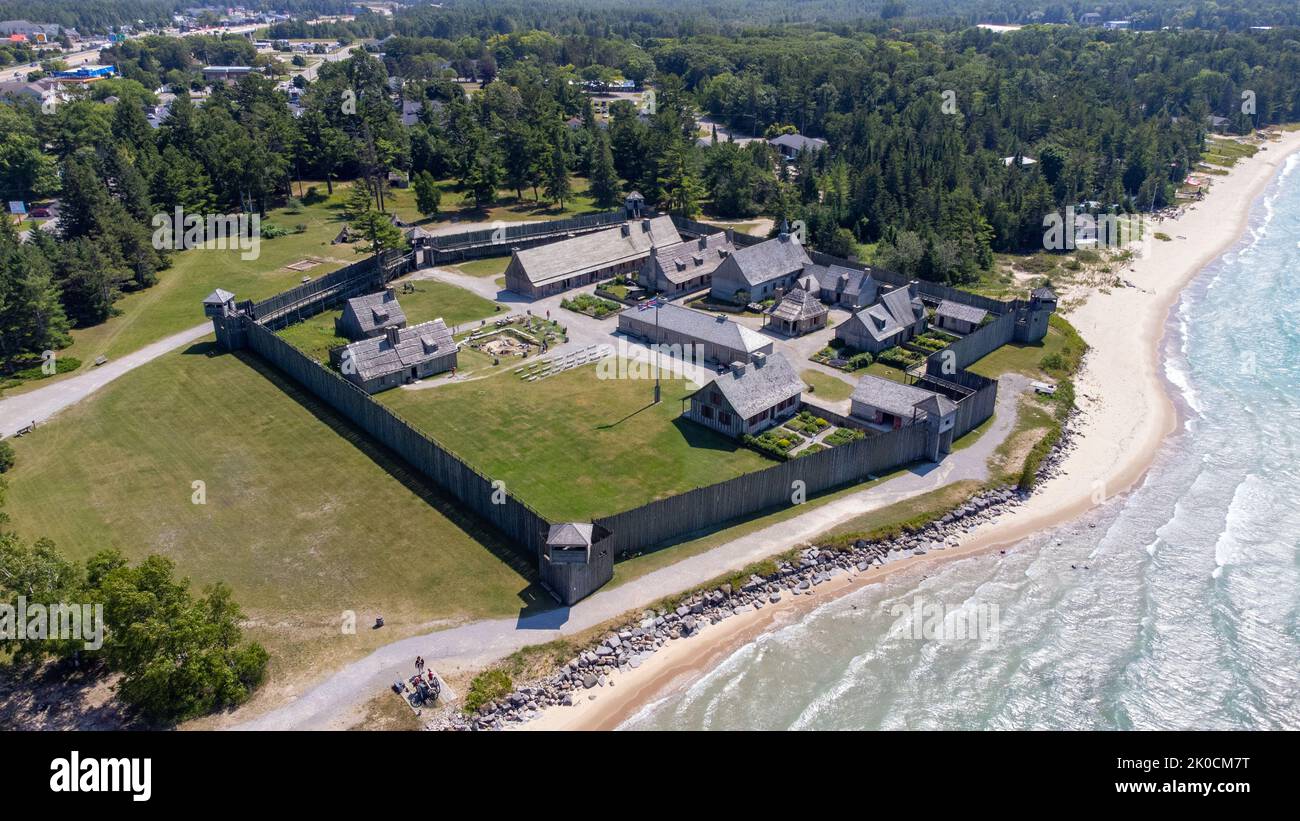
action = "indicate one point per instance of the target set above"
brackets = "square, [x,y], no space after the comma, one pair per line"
[40,404]
[330,703]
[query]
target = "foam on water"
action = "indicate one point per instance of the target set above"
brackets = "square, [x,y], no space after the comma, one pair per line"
[1188,614]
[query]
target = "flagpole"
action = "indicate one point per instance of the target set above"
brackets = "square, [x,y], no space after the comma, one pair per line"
[657,339]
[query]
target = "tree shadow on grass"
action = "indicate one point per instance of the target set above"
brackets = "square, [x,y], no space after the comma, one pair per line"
[534,596]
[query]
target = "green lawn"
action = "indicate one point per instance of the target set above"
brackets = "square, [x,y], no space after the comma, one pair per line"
[826,386]
[486,267]
[1019,357]
[886,372]
[574,446]
[304,517]
[431,300]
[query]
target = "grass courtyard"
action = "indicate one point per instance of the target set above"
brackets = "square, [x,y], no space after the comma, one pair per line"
[304,517]
[574,446]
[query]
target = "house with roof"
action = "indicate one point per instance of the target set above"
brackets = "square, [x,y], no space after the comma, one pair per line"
[588,258]
[369,315]
[397,356]
[792,145]
[686,267]
[754,274]
[719,338]
[748,398]
[958,317]
[897,317]
[838,285]
[891,404]
[798,312]
[226,74]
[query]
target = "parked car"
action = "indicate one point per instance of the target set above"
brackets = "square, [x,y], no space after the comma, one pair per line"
[39,213]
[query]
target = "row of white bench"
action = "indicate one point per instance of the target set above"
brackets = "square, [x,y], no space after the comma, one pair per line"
[559,363]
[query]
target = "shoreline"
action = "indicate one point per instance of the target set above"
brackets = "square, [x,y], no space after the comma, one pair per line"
[1126,412]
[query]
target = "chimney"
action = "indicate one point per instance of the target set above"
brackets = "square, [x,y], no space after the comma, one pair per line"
[391,333]
[645,226]
[626,230]
[737,368]
[720,318]
[760,359]
[704,243]
[731,236]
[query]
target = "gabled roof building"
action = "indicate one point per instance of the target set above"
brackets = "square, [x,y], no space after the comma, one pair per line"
[749,398]
[397,356]
[719,338]
[755,273]
[799,312]
[957,317]
[368,315]
[685,267]
[896,318]
[588,258]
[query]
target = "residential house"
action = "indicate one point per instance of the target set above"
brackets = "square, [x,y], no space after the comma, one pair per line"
[754,274]
[720,339]
[369,315]
[896,318]
[792,145]
[685,267]
[749,398]
[893,405]
[587,258]
[397,356]
[799,312]
[958,317]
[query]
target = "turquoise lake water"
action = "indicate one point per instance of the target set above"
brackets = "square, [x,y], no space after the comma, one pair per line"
[1188,614]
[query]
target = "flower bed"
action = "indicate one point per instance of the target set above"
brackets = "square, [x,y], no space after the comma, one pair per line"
[591,305]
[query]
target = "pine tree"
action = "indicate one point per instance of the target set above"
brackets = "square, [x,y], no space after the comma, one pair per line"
[605,185]
[427,195]
[557,177]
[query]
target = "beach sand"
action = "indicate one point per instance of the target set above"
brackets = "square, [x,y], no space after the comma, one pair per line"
[1126,413]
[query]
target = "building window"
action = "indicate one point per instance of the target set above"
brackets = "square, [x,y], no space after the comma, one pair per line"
[715,398]
[706,411]
[724,417]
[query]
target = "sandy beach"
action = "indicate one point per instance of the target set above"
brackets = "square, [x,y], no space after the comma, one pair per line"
[1125,414]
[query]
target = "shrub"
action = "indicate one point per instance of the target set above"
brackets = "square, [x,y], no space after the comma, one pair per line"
[487,686]
[7,457]
[293,206]
[272,231]
[860,360]
[62,364]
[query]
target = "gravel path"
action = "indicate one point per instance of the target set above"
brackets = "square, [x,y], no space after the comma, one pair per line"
[42,403]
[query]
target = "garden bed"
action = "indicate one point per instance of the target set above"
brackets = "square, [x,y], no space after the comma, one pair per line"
[591,305]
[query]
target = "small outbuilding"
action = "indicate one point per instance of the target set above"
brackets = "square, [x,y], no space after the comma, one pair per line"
[957,317]
[748,399]
[799,312]
[368,315]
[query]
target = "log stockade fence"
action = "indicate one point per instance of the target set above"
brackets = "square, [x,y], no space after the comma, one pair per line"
[659,522]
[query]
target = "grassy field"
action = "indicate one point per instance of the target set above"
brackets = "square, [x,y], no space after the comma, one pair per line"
[304,517]
[458,206]
[826,386]
[1020,357]
[431,300]
[573,446]
[487,267]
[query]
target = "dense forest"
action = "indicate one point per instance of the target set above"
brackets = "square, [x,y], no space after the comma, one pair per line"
[924,126]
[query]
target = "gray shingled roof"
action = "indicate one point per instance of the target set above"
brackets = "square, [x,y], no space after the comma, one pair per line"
[877,322]
[570,534]
[375,311]
[1043,293]
[218,297]
[770,259]
[937,405]
[889,396]
[376,357]
[799,142]
[599,249]
[691,258]
[798,305]
[843,280]
[902,306]
[703,327]
[759,385]
[958,311]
